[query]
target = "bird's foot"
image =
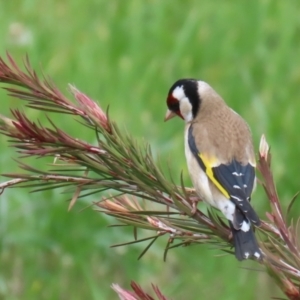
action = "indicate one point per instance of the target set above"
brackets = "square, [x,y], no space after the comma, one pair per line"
[194,202]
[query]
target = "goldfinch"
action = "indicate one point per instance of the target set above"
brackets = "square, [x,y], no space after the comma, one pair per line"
[220,158]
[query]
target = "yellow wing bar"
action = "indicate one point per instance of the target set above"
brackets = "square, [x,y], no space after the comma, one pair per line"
[209,172]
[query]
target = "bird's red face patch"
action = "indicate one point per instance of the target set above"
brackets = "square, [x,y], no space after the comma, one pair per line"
[173,105]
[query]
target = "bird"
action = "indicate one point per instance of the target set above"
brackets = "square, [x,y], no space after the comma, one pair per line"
[220,158]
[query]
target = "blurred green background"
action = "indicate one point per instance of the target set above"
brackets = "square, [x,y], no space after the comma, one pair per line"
[126,54]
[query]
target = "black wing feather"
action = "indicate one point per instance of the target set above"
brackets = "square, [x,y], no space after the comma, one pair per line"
[194,149]
[238,181]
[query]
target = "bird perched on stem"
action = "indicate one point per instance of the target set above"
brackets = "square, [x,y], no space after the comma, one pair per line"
[220,158]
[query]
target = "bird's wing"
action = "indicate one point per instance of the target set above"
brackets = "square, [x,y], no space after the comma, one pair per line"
[234,180]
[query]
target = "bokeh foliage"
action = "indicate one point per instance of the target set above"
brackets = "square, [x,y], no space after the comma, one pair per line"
[127,54]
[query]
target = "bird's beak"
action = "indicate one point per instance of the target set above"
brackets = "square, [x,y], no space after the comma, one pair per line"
[169,115]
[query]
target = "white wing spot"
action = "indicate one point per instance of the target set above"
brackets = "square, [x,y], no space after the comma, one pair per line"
[237,174]
[247,255]
[257,254]
[245,185]
[236,198]
[237,187]
[245,226]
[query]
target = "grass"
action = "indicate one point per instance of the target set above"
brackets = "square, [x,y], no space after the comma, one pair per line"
[126,54]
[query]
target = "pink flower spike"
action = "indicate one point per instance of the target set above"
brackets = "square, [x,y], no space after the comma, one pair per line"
[263,147]
[123,294]
[90,108]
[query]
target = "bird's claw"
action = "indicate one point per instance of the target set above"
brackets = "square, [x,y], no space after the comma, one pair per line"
[194,207]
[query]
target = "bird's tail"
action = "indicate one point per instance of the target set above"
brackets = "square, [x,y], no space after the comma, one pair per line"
[245,244]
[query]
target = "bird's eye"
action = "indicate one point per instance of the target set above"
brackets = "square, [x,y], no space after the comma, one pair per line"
[173,106]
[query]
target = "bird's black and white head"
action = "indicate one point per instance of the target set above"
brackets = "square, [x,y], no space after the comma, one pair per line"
[184,98]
